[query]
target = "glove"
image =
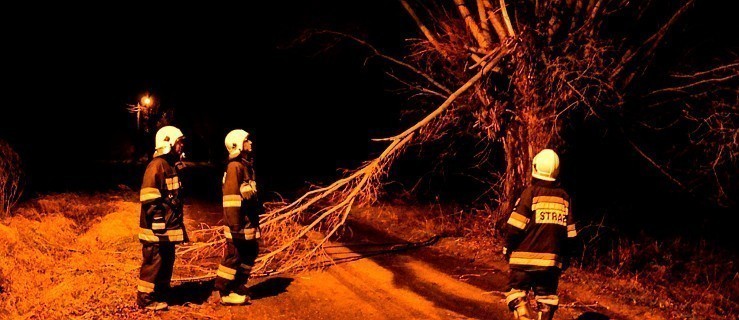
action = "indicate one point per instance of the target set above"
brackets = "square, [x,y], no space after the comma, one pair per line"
[248,190]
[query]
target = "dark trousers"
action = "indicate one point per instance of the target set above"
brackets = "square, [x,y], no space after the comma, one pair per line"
[156,272]
[235,268]
[543,282]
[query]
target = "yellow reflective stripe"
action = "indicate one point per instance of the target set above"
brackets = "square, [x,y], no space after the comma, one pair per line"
[513,295]
[552,300]
[571,231]
[148,238]
[248,233]
[551,199]
[251,233]
[535,259]
[533,255]
[232,197]
[147,194]
[169,235]
[549,206]
[232,204]
[536,262]
[518,220]
[224,275]
[226,272]
[174,232]
[232,201]
[172,183]
[158,225]
[144,286]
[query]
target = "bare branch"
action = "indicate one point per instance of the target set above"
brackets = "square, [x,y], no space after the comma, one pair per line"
[506,18]
[484,22]
[471,24]
[449,100]
[426,32]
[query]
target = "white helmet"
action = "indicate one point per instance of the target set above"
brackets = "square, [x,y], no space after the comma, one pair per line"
[545,165]
[235,142]
[165,139]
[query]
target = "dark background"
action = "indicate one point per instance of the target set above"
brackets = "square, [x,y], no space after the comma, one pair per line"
[70,71]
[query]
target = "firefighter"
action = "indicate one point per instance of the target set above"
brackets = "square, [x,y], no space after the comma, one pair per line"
[540,232]
[161,221]
[241,210]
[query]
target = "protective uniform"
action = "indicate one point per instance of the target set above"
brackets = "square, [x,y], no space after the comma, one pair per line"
[540,232]
[241,210]
[161,221]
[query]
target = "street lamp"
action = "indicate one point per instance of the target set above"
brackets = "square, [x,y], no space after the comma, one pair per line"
[146,102]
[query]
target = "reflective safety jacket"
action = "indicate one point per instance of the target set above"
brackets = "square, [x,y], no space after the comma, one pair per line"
[161,217]
[241,207]
[540,227]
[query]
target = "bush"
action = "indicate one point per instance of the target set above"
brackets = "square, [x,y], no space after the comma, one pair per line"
[11,178]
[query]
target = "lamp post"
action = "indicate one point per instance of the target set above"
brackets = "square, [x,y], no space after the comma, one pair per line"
[146,102]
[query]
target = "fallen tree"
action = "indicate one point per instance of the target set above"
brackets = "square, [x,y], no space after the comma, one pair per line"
[510,75]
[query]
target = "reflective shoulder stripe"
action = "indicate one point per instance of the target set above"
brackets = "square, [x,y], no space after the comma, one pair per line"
[513,295]
[173,183]
[232,201]
[147,194]
[551,199]
[571,231]
[518,220]
[549,206]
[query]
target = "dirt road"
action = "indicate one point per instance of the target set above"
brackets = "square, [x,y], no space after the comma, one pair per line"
[380,285]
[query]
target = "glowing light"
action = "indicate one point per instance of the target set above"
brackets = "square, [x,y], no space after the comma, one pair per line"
[147,101]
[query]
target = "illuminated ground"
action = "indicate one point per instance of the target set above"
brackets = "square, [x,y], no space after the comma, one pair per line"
[59,265]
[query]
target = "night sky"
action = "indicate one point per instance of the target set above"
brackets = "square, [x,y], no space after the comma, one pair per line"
[69,73]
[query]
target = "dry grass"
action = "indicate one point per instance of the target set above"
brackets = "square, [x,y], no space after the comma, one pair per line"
[692,279]
[53,267]
[82,209]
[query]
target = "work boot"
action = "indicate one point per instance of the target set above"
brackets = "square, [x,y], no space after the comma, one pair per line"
[235,299]
[156,306]
[546,312]
[521,309]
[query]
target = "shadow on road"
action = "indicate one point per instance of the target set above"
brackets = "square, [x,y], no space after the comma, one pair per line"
[196,292]
[593,316]
[270,287]
[406,277]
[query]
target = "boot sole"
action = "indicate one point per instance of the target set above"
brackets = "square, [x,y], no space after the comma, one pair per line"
[245,303]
